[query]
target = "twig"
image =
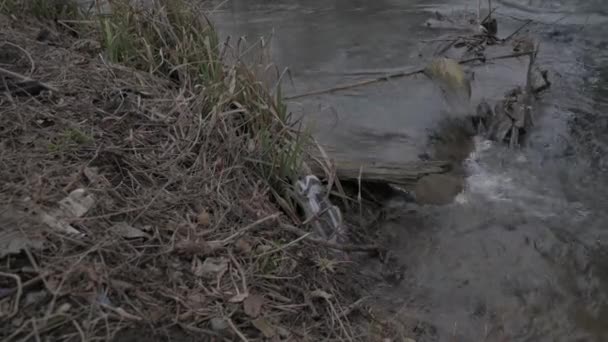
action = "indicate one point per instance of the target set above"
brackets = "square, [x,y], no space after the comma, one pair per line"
[122,313]
[518,30]
[485,59]
[241,271]
[353,306]
[398,75]
[24,286]
[29,56]
[22,78]
[342,247]
[19,292]
[489,16]
[306,235]
[356,84]
[80,332]
[236,330]
[249,227]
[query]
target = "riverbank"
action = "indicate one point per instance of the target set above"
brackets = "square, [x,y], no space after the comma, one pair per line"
[144,186]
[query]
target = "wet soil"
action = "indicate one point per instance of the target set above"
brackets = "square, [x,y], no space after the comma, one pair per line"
[519,255]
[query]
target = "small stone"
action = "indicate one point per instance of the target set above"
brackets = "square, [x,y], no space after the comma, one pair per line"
[218,324]
[439,189]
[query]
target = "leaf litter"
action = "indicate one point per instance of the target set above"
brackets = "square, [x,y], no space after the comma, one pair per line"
[103,195]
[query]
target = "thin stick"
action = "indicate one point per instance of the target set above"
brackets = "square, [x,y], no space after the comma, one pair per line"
[29,56]
[489,16]
[490,9]
[346,248]
[306,235]
[397,75]
[240,269]
[249,227]
[517,31]
[24,286]
[19,292]
[22,78]
[349,309]
[356,84]
[236,330]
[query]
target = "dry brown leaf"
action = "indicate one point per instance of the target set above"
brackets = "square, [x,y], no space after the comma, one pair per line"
[243,246]
[264,327]
[253,305]
[203,219]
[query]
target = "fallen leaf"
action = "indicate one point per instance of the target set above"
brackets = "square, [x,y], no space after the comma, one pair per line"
[120,284]
[203,218]
[450,73]
[239,297]
[197,247]
[92,174]
[14,242]
[253,305]
[197,300]
[17,321]
[218,324]
[321,294]
[64,308]
[58,224]
[210,268]
[243,246]
[127,231]
[264,327]
[52,284]
[77,203]
[35,297]
[263,249]
[124,314]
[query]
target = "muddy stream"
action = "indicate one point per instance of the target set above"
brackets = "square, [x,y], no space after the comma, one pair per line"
[522,253]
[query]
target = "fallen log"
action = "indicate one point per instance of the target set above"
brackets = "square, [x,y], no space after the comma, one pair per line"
[404,174]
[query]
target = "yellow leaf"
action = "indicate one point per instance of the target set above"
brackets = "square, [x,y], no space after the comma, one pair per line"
[450,73]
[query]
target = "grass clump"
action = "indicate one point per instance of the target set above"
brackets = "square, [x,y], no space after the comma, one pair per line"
[42,9]
[185,160]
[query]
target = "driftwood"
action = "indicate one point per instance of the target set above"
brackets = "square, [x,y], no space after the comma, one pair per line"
[403,174]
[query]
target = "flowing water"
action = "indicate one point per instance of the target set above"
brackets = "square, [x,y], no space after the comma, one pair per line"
[522,253]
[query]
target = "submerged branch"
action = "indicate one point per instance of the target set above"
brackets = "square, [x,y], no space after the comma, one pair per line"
[399,74]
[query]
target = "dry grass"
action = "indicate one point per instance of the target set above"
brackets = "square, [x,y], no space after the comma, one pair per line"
[193,156]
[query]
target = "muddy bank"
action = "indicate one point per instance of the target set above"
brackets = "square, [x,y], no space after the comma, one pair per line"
[518,255]
[144,189]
